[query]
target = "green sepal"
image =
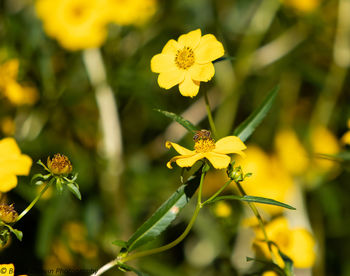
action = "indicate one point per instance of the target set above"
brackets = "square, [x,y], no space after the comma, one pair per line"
[120,243]
[17,233]
[74,188]
[177,118]
[247,127]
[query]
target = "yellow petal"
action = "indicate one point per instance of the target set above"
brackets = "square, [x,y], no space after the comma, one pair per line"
[302,248]
[7,182]
[188,87]
[202,72]
[170,78]
[10,68]
[8,147]
[171,47]
[19,165]
[230,144]
[346,138]
[208,49]
[190,39]
[189,160]
[181,150]
[162,63]
[219,161]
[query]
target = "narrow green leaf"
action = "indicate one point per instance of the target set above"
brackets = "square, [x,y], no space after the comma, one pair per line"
[340,157]
[223,58]
[255,199]
[185,123]
[247,127]
[16,232]
[165,214]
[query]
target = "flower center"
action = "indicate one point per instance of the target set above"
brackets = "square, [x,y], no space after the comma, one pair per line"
[184,58]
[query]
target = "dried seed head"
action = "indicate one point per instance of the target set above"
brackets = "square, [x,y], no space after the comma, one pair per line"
[59,164]
[8,213]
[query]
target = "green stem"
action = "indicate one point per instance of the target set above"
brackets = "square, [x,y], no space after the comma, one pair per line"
[217,193]
[258,216]
[35,200]
[210,116]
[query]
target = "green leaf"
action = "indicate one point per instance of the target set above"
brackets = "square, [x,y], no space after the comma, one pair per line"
[223,58]
[120,243]
[165,214]
[74,189]
[17,233]
[340,157]
[255,199]
[186,124]
[247,127]
[124,267]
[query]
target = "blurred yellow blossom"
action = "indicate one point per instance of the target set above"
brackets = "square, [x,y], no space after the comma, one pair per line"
[76,24]
[304,6]
[205,147]
[298,244]
[8,126]
[222,209]
[9,87]
[269,178]
[127,12]
[323,141]
[291,152]
[12,163]
[346,137]
[187,62]
[270,273]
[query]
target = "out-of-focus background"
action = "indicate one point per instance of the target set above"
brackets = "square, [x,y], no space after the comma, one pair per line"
[86,90]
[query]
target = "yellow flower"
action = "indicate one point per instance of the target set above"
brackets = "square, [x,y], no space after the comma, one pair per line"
[59,164]
[291,152]
[222,209]
[12,163]
[304,6]
[8,214]
[298,244]
[205,147]
[126,12]
[76,24]
[346,137]
[269,179]
[11,89]
[187,62]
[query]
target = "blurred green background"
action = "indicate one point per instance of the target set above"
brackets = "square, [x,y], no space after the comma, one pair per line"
[304,46]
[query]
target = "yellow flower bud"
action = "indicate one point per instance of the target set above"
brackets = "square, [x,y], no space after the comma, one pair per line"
[59,164]
[8,213]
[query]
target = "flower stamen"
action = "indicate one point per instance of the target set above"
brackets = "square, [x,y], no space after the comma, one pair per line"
[184,58]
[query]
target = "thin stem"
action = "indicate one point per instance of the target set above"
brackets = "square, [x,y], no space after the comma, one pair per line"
[35,200]
[106,267]
[260,220]
[217,193]
[210,116]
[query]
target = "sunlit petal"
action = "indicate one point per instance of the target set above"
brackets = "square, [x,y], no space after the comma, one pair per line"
[188,87]
[230,144]
[190,39]
[162,63]
[170,78]
[7,182]
[219,161]
[208,49]
[188,161]
[181,150]
[171,47]
[202,72]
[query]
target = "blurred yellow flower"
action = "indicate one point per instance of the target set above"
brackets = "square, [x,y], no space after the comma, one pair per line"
[222,209]
[323,141]
[346,137]
[304,6]
[76,24]
[11,89]
[291,152]
[127,12]
[205,147]
[187,62]
[270,273]
[269,178]
[12,163]
[8,126]
[298,244]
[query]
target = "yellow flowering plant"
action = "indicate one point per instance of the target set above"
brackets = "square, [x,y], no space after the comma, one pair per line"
[187,61]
